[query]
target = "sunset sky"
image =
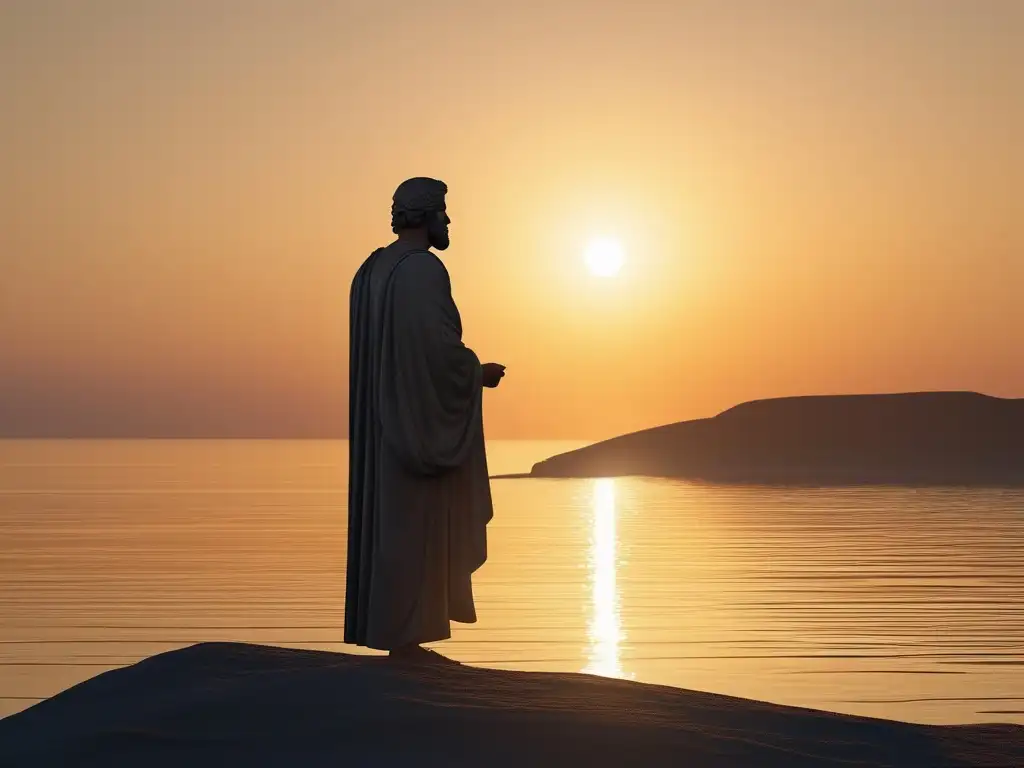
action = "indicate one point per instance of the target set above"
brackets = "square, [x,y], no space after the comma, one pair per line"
[813,197]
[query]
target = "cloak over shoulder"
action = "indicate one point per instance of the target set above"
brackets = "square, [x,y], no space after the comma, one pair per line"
[418,496]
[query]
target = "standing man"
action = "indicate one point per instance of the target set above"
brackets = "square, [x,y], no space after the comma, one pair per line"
[419,498]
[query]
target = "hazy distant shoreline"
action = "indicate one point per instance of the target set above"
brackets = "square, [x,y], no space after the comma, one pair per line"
[917,439]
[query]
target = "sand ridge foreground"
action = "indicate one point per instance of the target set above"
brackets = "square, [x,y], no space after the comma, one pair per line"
[221,704]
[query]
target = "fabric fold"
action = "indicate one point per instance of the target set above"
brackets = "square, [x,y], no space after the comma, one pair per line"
[419,494]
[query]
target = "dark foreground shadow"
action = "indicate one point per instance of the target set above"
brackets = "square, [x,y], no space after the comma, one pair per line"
[224,704]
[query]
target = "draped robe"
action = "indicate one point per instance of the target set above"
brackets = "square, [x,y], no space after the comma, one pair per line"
[418,496]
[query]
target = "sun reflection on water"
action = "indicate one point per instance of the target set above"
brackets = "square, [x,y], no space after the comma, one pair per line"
[605,630]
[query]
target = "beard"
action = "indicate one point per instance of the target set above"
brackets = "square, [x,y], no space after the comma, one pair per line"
[437,235]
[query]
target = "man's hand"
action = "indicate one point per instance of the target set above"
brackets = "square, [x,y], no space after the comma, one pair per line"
[493,373]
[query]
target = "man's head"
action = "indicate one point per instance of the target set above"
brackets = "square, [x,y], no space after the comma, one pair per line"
[418,204]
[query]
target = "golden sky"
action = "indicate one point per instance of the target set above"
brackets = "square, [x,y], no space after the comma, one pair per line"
[814,197]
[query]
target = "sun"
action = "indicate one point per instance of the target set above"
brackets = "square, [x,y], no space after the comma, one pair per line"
[604,257]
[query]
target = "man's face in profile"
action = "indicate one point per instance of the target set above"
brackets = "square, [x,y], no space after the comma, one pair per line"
[437,230]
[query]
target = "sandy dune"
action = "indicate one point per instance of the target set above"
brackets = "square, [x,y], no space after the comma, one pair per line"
[232,704]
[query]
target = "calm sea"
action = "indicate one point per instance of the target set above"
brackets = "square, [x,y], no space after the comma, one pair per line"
[878,601]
